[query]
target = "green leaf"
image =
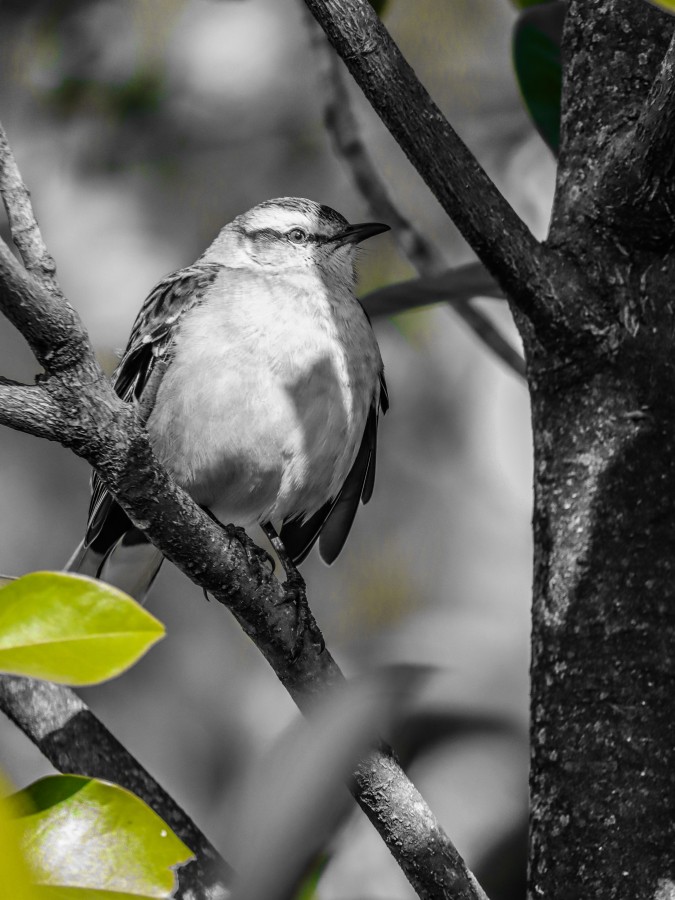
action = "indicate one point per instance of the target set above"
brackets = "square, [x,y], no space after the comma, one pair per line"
[379,6]
[77,832]
[523,4]
[42,892]
[308,890]
[668,5]
[15,876]
[71,629]
[536,56]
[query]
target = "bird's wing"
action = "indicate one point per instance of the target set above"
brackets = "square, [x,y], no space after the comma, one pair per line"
[150,343]
[331,524]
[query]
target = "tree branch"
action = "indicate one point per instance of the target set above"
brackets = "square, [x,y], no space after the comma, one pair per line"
[22,223]
[455,287]
[106,432]
[497,235]
[50,325]
[29,408]
[345,134]
[75,742]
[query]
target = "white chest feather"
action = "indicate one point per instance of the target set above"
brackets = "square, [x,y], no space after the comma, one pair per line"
[261,412]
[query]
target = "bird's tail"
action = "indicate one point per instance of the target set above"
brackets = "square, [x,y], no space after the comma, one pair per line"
[131,564]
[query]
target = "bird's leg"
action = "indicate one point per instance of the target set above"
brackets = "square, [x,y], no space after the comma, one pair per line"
[294,585]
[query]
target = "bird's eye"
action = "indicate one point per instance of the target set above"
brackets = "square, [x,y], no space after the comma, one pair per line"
[297,236]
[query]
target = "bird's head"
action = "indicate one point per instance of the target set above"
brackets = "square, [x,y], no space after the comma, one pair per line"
[292,233]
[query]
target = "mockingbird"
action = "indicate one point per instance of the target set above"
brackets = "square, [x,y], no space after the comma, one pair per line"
[259,379]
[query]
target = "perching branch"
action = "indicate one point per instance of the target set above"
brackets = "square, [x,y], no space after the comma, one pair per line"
[345,134]
[497,235]
[91,420]
[70,736]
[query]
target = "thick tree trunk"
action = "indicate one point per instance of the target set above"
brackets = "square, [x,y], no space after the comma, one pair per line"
[603,414]
[603,667]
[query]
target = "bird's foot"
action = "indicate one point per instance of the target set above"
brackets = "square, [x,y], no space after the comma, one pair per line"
[305,624]
[295,592]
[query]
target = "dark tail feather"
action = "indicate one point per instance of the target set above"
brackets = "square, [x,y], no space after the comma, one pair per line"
[299,537]
[130,564]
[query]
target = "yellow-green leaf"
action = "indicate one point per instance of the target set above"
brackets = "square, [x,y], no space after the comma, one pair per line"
[43,892]
[71,629]
[15,877]
[668,5]
[77,832]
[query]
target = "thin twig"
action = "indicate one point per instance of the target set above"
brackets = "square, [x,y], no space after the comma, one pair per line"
[25,232]
[74,741]
[106,432]
[348,144]
[498,236]
[453,286]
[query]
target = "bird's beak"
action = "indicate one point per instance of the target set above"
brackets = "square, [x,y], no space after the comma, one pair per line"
[354,234]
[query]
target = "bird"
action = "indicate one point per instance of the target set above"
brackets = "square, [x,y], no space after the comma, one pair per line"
[258,377]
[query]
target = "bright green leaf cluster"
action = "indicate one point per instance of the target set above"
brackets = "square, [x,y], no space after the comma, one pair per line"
[71,629]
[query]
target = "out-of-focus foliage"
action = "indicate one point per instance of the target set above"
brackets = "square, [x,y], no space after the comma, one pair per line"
[536,56]
[524,4]
[79,833]
[71,629]
[309,888]
[379,6]
[138,95]
[305,774]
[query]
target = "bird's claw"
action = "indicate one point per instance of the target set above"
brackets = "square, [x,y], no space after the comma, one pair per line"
[295,593]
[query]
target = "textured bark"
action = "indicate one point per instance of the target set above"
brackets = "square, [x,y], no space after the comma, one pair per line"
[603,667]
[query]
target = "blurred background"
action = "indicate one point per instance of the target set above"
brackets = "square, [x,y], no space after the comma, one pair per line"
[141,127]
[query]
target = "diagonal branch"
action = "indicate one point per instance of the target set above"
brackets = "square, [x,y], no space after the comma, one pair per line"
[75,742]
[106,432]
[497,235]
[348,144]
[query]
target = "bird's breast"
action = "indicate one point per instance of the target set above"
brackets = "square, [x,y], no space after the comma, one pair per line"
[263,407]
